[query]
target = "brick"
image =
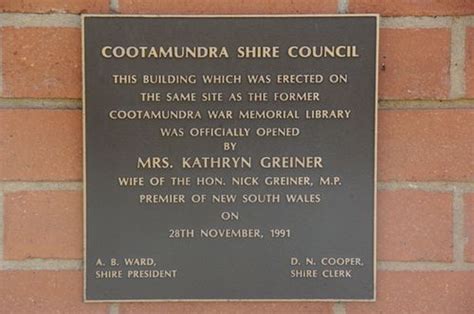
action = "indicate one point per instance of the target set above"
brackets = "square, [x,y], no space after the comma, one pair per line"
[414,63]
[469,63]
[44,292]
[420,292]
[43,224]
[226,307]
[40,145]
[469,227]
[50,6]
[414,8]
[426,145]
[41,62]
[227,6]
[414,226]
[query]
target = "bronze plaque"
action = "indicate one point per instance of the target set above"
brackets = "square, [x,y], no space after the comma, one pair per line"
[229,157]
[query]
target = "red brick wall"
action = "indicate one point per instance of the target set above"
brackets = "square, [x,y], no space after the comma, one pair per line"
[426,154]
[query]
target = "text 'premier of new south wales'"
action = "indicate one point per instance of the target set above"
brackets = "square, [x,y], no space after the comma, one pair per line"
[229,157]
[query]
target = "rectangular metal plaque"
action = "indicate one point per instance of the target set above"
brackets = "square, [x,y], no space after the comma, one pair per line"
[229,157]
